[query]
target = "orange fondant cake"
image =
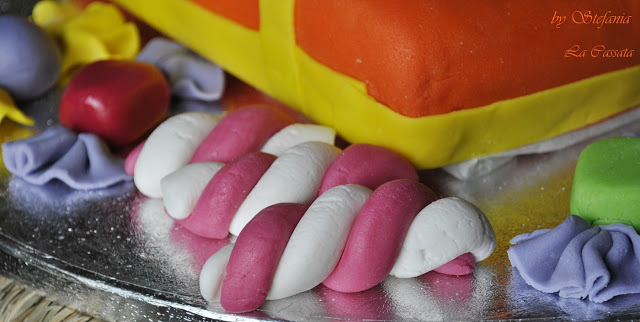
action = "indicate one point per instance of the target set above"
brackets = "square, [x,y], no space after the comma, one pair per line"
[427,58]
[424,78]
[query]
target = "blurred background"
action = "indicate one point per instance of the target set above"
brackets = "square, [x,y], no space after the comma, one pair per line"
[16,7]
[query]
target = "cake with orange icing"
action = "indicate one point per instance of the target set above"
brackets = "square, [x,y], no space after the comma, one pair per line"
[444,86]
[423,77]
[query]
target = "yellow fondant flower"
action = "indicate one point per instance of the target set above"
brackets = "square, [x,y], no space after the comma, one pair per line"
[9,129]
[9,109]
[98,32]
[52,15]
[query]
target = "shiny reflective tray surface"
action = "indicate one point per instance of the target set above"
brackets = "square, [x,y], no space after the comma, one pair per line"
[115,254]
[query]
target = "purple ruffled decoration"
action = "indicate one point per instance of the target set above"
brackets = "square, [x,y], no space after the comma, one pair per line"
[577,260]
[190,76]
[523,297]
[81,161]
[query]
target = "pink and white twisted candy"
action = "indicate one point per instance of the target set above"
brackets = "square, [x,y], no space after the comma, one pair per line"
[349,239]
[210,197]
[307,217]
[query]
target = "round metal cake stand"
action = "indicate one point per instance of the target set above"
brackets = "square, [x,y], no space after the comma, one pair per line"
[116,255]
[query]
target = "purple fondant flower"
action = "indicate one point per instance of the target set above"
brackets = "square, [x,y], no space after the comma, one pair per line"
[190,75]
[81,161]
[576,260]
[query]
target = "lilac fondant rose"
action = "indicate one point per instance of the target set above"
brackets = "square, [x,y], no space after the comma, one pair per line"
[190,75]
[81,161]
[577,260]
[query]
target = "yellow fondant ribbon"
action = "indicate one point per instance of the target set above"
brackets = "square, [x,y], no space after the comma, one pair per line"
[96,33]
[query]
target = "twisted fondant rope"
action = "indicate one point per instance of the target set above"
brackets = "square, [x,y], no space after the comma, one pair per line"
[345,231]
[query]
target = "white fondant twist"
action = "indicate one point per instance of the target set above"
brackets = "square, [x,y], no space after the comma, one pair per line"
[294,177]
[174,142]
[169,148]
[182,188]
[317,243]
[443,230]
[453,226]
